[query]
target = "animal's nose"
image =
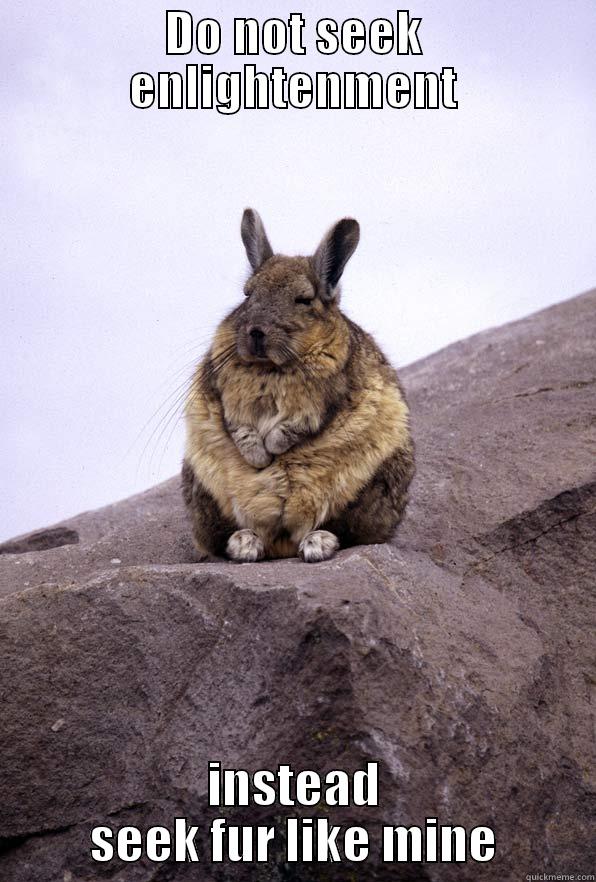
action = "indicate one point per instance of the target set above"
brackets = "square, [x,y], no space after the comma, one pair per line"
[257,334]
[257,339]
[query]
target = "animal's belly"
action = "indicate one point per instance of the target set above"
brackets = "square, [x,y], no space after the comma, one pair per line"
[287,498]
[257,498]
[264,499]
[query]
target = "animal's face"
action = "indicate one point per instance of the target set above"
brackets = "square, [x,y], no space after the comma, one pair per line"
[291,302]
[283,314]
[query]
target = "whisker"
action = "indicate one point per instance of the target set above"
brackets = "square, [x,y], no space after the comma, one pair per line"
[181,387]
[160,426]
[215,365]
[172,412]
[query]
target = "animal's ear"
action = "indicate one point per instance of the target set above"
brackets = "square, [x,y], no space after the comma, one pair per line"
[258,249]
[333,253]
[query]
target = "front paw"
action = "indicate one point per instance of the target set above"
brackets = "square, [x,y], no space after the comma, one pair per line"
[256,456]
[278,441]
[318,545]
[251,447]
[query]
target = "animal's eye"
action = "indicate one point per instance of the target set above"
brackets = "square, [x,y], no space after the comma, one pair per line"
[305,300]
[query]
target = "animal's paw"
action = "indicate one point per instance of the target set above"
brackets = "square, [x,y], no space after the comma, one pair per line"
[256,456]
[318,545]
[244,546]
[277,441]
[250,444]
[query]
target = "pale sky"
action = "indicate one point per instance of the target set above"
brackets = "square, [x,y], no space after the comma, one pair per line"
[121,246]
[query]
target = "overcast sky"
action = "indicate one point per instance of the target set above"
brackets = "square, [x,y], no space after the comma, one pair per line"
[121,245]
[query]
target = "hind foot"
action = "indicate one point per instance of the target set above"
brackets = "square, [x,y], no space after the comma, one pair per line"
[244,546]
[318,545]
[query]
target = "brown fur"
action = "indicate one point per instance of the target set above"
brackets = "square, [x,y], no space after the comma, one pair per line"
[323,415]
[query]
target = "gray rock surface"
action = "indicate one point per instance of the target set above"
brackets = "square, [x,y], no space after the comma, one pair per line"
[461,656]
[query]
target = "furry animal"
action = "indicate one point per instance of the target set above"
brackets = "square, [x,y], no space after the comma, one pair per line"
[297,427]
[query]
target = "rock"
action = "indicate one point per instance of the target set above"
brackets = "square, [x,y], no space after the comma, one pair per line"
[460,657]
[54,537]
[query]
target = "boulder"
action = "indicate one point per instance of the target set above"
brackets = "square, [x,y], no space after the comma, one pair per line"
[460,657]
